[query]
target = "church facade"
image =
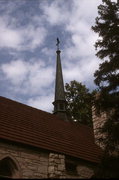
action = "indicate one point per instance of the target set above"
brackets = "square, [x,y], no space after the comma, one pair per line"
[38,144]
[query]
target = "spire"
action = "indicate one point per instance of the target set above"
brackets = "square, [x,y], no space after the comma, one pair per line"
[59,102]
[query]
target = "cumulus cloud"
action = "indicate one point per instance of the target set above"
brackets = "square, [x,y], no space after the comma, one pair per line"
[55,12]
[32,37]
[73,14]
[76,19]
[43,102]
[9,37]
[78,53]
[82,72]
[15,71]
[28,76]
[27,33]
[27,37]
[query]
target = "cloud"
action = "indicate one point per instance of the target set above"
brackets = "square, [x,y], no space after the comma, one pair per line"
[15,71]
[32,37]
[42,102]
[79,52]
[70,13]
[18,37]
[55,12]
[9,37]
[27,76]
[27,33]
[7,7]
[76,20]
[81,71]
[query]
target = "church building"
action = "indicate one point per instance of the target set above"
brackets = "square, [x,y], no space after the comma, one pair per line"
[38,144]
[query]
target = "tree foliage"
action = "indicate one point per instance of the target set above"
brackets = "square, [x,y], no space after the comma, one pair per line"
[107,76]
[78,100]
[107,26]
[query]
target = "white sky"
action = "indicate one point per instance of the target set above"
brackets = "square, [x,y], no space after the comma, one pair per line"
[28,32]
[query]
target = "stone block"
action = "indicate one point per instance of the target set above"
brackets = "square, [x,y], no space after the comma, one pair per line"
[44,176]
[30,156]
[37,174]
[51,163]
[43,169]
[56,156]
[43,159]
[51,169]
[15,154]
[51,155]
[51,175]
[61,156]
[35,161]
[27,173]
[2,151]
[58,161]
[62,161]
[85,171]
[64,177]
[58,172]
[51,159]
[32,167]
[61,167]
[43,163]
[27,161]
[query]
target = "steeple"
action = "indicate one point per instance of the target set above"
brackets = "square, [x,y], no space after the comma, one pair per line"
[59,102]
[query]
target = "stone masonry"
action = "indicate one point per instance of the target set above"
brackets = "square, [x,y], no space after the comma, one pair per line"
[39,164]
[31,164]
[56,168]
[84,170]
[98,122]
[34,164]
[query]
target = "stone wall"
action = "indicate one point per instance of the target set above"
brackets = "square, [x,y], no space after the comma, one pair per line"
[56,168]
[98,122]
[31,164]
[39,164]
[84,170]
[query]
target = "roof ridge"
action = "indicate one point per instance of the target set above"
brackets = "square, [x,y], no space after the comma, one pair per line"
[33,108]
[20,103]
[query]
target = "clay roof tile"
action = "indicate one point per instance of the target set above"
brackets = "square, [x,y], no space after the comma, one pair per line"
[24,124]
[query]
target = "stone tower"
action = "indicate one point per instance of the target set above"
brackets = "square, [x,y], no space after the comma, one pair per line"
[59,102]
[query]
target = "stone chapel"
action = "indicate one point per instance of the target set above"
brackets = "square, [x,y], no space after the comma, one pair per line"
[38,144]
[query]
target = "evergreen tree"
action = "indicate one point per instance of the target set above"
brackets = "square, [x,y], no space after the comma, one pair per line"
[107,79]
[78,100]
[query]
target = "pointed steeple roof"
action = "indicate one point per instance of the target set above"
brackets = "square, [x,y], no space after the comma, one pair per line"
[59,84]
[59,102]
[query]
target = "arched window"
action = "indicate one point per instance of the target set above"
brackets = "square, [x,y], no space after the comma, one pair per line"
[8,168]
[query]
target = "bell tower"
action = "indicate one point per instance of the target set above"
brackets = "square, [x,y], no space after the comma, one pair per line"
[59,101]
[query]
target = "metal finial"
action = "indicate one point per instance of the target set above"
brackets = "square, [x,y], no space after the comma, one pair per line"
[58,42]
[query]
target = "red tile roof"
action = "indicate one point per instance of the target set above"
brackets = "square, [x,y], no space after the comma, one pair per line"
[24,124]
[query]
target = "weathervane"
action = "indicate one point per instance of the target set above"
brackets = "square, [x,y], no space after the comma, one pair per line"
[58,42]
